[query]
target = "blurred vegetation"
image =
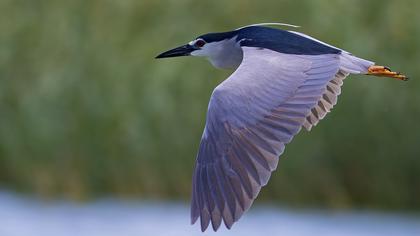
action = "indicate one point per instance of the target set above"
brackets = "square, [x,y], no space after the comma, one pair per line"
[86,111]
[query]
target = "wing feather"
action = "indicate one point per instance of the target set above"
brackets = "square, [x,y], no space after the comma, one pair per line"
[251,117]
[327,102]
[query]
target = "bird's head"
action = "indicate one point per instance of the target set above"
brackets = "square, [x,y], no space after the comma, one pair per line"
[222,49]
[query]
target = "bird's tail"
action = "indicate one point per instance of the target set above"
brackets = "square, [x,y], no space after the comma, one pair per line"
[384,71]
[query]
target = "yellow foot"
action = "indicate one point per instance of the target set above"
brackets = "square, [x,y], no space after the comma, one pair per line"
[384,71]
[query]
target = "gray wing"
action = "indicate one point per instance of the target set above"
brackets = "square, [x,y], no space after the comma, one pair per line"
[251,116]
[327,102]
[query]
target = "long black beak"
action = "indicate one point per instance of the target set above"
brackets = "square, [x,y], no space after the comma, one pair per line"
[184,50]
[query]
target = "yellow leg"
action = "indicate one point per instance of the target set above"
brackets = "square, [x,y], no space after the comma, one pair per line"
[384,71]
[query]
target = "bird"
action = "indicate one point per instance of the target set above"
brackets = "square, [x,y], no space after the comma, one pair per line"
[283,81]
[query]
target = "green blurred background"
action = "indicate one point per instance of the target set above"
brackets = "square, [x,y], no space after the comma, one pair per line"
[86,111]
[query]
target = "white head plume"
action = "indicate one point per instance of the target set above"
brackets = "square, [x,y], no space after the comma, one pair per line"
[263,24]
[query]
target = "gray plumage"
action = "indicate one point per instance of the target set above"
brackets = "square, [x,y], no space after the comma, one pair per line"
[251,117]
[283,81]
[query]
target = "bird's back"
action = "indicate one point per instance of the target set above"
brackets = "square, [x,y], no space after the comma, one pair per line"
[283,41]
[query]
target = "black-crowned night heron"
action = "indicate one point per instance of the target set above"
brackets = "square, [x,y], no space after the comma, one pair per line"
[284,80]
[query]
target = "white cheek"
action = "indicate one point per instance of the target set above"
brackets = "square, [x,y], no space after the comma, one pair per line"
[196,53]
[201,52]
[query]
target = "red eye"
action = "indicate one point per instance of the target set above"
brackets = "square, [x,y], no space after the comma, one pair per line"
[199,43]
